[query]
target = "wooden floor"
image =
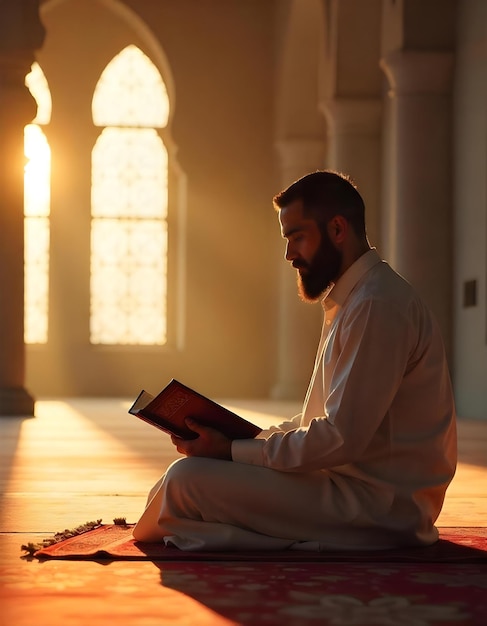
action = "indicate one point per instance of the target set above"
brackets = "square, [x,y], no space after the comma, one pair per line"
[82,460]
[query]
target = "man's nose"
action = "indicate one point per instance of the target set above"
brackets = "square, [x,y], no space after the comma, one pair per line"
[290,254]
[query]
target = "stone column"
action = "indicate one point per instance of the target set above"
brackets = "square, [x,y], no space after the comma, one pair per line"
[20,34]
[354,148]
[417,168]
[299,323]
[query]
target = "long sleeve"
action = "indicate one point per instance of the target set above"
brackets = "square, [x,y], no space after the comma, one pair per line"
[380,399]
[250,450]
[363,363]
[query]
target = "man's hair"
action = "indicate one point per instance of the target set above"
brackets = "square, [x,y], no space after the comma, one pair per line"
[324,194]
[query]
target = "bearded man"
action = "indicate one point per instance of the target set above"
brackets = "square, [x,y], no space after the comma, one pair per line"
[368,461]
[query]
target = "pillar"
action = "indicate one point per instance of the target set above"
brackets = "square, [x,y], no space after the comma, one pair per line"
[299,323]
[418,171]
[354,148]
[20,34]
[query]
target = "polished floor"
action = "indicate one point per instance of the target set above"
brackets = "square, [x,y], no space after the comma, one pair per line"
[81,460]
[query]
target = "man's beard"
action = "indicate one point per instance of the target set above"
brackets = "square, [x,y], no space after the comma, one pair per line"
[319,274]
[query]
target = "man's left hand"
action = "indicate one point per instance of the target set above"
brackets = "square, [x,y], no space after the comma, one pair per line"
[210,443]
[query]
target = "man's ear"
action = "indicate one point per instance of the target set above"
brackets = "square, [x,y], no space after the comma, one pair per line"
[337,229]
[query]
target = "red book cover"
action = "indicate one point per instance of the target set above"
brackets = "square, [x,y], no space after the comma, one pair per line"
[169,409]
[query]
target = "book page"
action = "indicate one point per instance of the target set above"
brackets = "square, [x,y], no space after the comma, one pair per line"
[141,402]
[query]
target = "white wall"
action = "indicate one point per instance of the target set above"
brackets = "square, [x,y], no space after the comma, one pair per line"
[221,59]
[470,209]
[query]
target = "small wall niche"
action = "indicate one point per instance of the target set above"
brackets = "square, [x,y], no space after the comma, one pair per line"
[469,293]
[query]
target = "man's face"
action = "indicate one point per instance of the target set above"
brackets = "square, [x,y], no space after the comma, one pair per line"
[310,251]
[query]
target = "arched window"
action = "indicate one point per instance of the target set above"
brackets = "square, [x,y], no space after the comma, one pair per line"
[37,188]
[129,199]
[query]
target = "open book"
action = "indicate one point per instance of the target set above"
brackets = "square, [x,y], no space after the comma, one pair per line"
[176,402]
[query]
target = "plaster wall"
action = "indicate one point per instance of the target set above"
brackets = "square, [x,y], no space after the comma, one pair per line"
[221,62]
[470,208]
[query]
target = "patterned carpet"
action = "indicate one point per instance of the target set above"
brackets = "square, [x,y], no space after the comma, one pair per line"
[112,541]
[336,594]
[442,585]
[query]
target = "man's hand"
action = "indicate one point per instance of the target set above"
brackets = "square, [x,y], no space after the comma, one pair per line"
[210,443]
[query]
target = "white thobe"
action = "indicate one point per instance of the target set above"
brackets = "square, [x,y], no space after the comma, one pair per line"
[365,465]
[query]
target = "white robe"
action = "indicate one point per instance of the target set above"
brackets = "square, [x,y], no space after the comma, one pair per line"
[366,464]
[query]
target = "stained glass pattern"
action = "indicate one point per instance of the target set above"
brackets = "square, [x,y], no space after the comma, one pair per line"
[37,172]
[129,174]
[128,294]
[131,92]
[36,235]
[37,175]
[129,205]
[39,88]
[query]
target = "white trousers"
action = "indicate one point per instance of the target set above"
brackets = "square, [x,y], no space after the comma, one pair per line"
[208,504]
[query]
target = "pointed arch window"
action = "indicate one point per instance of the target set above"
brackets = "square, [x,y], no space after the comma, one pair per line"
[129,200]
[37,190]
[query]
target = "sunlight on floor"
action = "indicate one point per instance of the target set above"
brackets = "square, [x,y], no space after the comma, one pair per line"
[81,438]
[61,454]
[86,451]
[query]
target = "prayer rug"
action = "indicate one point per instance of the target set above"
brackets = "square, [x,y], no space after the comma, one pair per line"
[205,593]
[115,542]
[333,594]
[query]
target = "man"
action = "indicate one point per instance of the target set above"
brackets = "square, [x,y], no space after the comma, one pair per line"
[367,463]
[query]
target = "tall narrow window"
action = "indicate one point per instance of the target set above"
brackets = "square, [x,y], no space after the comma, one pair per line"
[129,200]
[36,210]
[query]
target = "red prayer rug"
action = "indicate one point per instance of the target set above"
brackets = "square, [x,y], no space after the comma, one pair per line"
[335,594]
[111,542]
[441,585]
